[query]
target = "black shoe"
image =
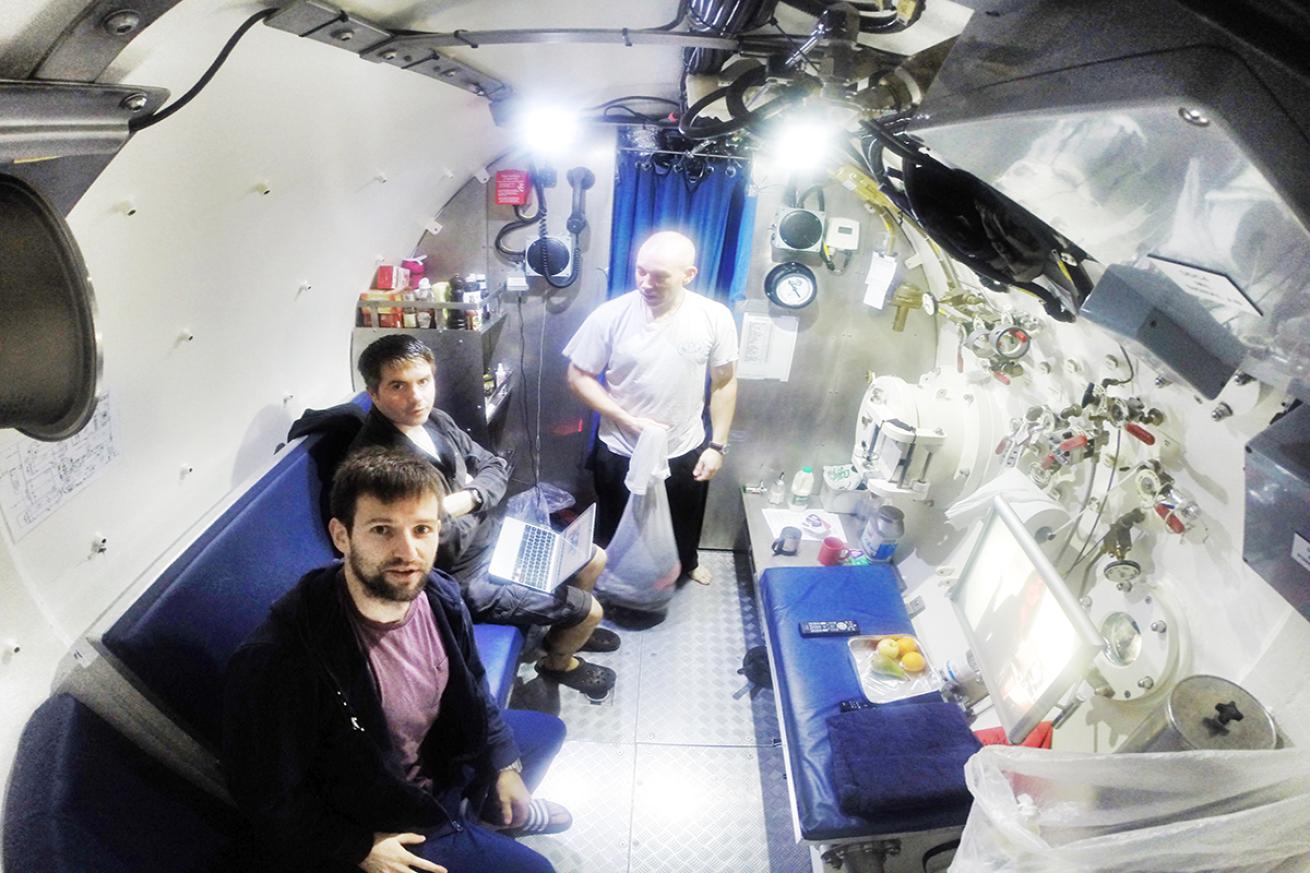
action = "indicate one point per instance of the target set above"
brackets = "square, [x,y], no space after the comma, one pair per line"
[601,640]
[592,680]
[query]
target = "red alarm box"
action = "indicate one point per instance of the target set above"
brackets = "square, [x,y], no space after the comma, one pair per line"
[511,187]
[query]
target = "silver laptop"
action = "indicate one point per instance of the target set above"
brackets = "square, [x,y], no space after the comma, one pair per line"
[535,556]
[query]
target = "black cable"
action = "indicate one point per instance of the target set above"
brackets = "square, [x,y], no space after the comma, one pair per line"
[1106,383]
[813,189]
[146,121]
[523,395]
[796,49]
[641,116]
[677,18]
[632,98]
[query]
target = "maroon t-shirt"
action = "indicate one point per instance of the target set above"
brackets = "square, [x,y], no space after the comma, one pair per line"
[410,665]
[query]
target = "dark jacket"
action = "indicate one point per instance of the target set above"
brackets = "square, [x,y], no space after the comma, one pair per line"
[475,468]
[306,750]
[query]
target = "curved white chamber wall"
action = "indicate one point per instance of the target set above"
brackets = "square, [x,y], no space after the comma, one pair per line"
[257,215]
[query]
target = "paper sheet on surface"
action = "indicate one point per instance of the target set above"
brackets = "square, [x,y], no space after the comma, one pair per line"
[882,270]
[828,523]
[767,346]
[36,478]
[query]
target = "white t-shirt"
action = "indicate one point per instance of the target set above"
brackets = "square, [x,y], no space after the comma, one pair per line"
[655,370]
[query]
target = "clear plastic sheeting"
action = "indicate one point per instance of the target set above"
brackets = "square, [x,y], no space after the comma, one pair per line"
[1037,811]
[537,503]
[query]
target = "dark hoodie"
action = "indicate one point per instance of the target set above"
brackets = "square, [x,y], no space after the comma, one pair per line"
[306,750]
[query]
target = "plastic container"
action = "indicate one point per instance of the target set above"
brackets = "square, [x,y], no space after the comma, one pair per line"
[802,486]
[882,533]
[878,685]
[778,491]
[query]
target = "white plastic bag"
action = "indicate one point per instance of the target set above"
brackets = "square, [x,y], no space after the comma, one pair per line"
[642,556]
[1038,811]
[537,503]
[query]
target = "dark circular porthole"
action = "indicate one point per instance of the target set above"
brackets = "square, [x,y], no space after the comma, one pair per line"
[800,229]
[49,351]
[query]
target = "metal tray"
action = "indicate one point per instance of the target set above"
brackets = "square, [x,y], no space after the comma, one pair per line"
[882,688]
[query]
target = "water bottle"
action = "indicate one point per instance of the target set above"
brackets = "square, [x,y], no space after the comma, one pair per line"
[802,485]
[778,490]
[882,533]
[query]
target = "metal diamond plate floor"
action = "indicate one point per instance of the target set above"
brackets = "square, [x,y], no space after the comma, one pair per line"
[677,769]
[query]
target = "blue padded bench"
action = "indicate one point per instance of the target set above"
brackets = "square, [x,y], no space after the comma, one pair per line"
[176,639]
[82,797]
[812,675]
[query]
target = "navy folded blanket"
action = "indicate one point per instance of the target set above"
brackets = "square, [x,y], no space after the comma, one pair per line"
[910,756]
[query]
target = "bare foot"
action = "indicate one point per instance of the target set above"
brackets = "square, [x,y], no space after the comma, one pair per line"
[702,576]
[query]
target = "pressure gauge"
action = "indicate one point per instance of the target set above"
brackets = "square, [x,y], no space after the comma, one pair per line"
[929,304]
[791,285]
[1122,571]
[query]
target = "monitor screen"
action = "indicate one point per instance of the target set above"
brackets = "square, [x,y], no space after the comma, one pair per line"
[1031,638]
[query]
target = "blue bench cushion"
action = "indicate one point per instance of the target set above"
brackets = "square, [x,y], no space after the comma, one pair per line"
[82,797]
[499,646]
[177,638]
[814,674]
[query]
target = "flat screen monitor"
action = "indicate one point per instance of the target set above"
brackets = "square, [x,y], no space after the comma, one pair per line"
[1031,638]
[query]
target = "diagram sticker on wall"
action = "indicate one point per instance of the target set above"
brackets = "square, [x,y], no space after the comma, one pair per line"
[36,478]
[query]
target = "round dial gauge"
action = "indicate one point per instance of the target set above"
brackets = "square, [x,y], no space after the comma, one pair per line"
[1122,571]
[929,304]
[791,285]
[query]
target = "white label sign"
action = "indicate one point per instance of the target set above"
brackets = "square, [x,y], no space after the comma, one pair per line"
[36,478]
[1211,287]
[882,270]
[1301,550]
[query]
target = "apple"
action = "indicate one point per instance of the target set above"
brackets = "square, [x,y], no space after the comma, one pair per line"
[889,648]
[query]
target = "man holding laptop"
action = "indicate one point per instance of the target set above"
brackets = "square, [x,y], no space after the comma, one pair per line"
[509,577]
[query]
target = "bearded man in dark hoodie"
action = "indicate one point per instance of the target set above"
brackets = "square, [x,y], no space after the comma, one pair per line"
[358,729]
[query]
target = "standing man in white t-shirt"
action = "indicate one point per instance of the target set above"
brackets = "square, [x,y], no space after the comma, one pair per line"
[654,346]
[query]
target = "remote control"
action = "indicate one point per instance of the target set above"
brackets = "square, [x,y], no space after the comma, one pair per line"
[842,628]
[855,703]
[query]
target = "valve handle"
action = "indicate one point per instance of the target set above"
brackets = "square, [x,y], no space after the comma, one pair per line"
[1141,433]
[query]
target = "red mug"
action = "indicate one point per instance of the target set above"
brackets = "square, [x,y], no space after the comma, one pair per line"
[833,551]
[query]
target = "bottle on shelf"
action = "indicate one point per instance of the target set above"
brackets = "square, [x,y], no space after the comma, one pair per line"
[802,485]
[423,293]
[778,490]
[455,317]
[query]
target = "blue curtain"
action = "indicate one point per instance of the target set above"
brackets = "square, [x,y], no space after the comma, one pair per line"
[706,199]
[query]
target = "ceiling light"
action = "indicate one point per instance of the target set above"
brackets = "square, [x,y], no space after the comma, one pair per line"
[547,129]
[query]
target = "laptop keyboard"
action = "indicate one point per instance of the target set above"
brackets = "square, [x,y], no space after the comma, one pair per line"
[533,564]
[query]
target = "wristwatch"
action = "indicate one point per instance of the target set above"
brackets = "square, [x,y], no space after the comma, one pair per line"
[516,766]
[721,448]
[477,498]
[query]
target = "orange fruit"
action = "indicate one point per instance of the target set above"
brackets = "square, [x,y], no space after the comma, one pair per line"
[907,644]
[913,662]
